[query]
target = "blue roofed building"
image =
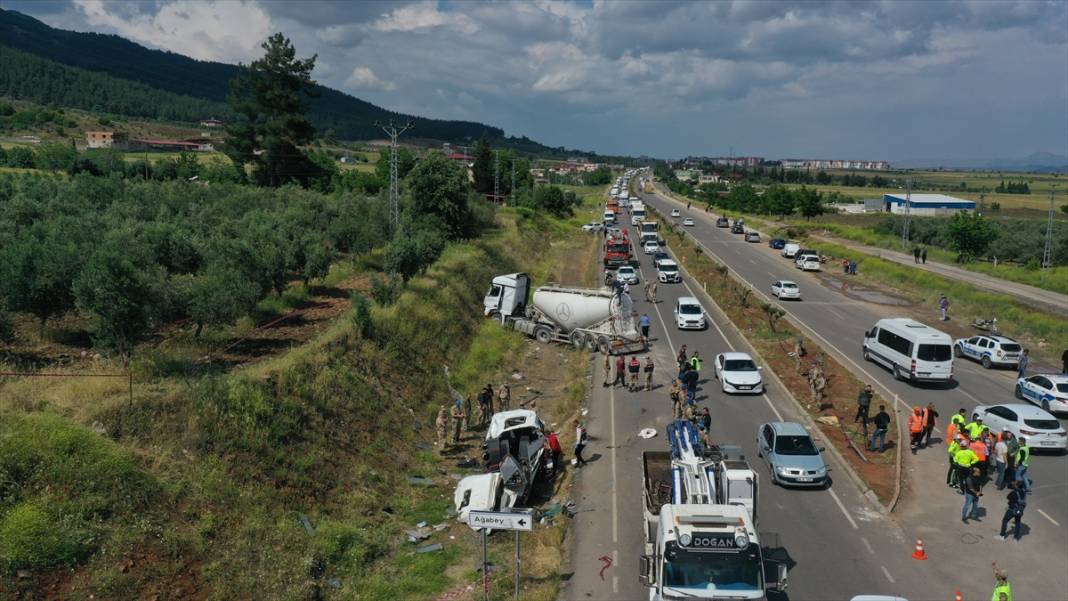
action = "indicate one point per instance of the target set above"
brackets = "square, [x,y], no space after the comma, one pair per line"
[926,204]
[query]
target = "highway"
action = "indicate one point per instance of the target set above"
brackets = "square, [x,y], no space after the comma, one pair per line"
[928,508]
[835,543]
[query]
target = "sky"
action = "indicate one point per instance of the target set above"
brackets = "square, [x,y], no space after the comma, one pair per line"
[814,79]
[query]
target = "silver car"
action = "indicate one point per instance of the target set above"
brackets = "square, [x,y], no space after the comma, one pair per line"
[792,457]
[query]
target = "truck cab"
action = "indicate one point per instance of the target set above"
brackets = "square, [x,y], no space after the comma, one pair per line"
[507,295]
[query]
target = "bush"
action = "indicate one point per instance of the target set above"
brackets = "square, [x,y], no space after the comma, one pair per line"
[385,290]
[361,315]
[30,538]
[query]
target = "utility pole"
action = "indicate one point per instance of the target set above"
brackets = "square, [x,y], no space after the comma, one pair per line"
[1047,252]
[908,209]
[393,131]
[496,176]
[513,177]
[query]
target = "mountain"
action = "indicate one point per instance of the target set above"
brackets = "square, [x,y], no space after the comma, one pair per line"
[67,55]
[1041,162]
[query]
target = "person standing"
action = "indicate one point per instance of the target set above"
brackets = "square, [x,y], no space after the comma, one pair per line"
[676,399]
[916,421]
[863,407]
[943,305]
[882,423]
[441,424]
[690,378]
[923,255]
[581,438]
[1023,461]
[652,291]
[458,417]
[1002,588]
[929,425]
[645,288]
[1017,503]
[1001,459]
[951,473]
[695,362]
[1023,363]
[648,369]
[621,372]
[1010,457]
[956,424]
[973,489]
[916,254]
[504,397]
[607,369]
[964,460]
[634,367]
[852,267]
[643,321]
[681,359]
[704,425]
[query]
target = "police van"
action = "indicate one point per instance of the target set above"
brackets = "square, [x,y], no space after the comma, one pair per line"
[911,350]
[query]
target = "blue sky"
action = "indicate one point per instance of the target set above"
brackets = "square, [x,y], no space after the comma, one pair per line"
[869,80]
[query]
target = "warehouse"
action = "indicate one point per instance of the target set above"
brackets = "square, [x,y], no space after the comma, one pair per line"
[926,204]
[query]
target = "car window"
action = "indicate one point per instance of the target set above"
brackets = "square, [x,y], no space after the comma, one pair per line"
[1043,424]
[739,365]
[973,340]
[1062,387]
[934,352]
[1043,382]
[777,285]
[1010,347]
[1003,412]
[789,285]
[795,445]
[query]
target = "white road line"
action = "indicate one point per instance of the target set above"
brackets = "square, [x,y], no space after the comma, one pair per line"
[845,511]
[867,545]
[612,424]
[832,310]
[773,409]
[886,573]
[663,324]
[773,276]
[977,401]
[1046,515]
[615,579]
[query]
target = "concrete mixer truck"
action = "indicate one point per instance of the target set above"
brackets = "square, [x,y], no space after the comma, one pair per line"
[596,319]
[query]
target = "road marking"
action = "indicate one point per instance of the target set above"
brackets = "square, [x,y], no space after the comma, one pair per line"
[612,423]
[960,390]
[663,324]
[615,579]
[867,545]
[773,409]
[845,511]
[832,310]
[1046,515]
[886,573]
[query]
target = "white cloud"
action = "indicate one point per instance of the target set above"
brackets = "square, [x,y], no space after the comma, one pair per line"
[226,31]
[363,78]
[425,15]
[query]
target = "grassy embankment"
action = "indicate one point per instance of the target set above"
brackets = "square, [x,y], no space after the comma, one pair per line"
[774,338]
[196,489]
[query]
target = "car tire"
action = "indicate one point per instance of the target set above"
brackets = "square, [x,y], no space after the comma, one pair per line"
[897,374]
[1045,406]
[957,352]
[1018,392]
[543,335]
[867,356]
[986,363]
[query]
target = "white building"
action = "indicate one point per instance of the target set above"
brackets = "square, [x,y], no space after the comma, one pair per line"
[926,204]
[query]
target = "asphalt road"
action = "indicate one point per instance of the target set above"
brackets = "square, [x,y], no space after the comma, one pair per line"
[835,543]
[927,508]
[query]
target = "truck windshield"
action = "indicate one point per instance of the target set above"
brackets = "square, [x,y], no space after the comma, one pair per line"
[712,571]
[617,248]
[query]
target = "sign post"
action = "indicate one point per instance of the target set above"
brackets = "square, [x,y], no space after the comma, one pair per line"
[485,521]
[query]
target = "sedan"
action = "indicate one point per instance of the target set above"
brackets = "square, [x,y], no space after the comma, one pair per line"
[1048,390]
[592,227]
[688,221]
[658,257]
[738,373]
[752,237]
[1041,429]
[785,289]
[675,213]
[651,247]
[777,243]
[791,455]
[723,222]
[627,274]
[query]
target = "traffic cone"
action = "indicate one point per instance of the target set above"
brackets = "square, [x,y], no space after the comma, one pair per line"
[957,597]
[919,553]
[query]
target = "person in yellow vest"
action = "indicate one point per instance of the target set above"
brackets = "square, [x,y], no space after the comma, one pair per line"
[954,446]
[964,459]
[975,428]
[1002,588]
[1023,460]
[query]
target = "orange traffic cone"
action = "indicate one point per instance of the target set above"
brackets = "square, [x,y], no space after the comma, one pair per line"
[919,553]
[957,597]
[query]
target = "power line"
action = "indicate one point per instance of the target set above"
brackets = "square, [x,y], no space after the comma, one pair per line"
[393,131]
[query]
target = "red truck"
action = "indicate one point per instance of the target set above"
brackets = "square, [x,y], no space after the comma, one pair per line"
[617,250]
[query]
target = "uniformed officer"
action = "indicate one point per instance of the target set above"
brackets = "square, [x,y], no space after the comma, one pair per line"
[442,426]
[458,417]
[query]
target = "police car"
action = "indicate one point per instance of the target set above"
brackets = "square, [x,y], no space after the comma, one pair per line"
[1046,390]
[988,350]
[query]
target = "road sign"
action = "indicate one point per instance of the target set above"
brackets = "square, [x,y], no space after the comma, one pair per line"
[500,520]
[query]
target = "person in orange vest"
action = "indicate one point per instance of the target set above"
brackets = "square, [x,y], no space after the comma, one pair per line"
[929,422]
[978,446]
[916,423]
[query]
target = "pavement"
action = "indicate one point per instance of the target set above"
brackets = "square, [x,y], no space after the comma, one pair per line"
[836,543]
[960,553]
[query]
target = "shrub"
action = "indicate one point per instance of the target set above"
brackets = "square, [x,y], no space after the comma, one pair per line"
[30,538]
[361,315]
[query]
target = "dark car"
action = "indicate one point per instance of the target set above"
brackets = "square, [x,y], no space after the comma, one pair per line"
[777,243]
[722,222]
[737,228]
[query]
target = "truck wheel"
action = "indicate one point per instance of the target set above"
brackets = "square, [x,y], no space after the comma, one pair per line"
[578,339]
[591,343]
[543,335]
[602,345]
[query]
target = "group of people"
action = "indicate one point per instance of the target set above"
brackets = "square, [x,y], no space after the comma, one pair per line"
[919,254]
[459,414]
[634,368]
[849,266]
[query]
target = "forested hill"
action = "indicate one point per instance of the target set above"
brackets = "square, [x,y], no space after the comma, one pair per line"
[349,117]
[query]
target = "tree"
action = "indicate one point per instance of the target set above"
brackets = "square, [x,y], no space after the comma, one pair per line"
[483,167]
[412,251]
[219,296]
[809,202]
[270,99]
[36,269]
[56,157]
[970,235]
[779,200]
[439,189]
[405,163]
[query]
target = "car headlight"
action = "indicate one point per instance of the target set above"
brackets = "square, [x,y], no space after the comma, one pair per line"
[780,469]
[685,539]
[741,541]
[822,470]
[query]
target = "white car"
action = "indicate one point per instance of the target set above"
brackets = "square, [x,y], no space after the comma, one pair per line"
[688,221]
[737,372]
[627,274]
[1041,429]
[1048,390]
[689,314]
[808,263]
[988,350]
[675,213]
[790,250]
[592,227]
[785,289]
[667,271]
[651,247]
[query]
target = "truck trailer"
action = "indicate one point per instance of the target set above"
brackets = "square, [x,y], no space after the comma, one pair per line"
[597,319]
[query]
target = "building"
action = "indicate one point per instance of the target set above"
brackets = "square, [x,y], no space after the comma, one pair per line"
[107,139]
[191,145]
[708,179]
[926,204]
[834,164]
[211,123]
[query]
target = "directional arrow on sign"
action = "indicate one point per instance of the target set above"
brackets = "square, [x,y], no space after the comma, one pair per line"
[500,520]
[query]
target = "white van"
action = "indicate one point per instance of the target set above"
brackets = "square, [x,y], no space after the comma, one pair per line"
[911,350]
[609,217]
[790,250]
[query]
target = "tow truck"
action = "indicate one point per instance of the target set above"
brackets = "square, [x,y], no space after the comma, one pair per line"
[700,526]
